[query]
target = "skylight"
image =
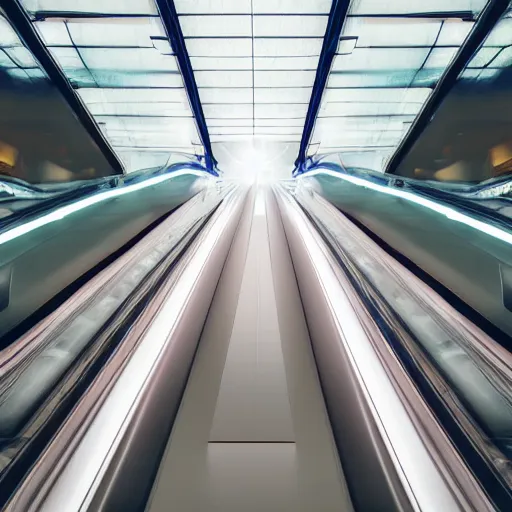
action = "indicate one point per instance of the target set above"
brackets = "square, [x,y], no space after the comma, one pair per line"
[390,57]
[117,56]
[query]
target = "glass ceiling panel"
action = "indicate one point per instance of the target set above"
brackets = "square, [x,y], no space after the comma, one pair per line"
[54,32]
[279,122]
[160,142]
[500,35]
[67,58]
[388,62]
[223,79]
[218,47]
[139,109]
[283,63]
[329,124]
[146,139]
[372,138]
[389,95]
[374,32]
[5,60]
[215,122]
[213,6]
[127,59]
[21,57]
[227,95]
[216,26]
[229,138]
[229,110]
[381,59]
[133,95]
[232,130]
[440,58]
[126,79]
[141,159]
[403,78]
[368,109]
[8,36]
[294,47]
[415,6]
[279,130]
[280,110]
[273,138]
[141,124]
[123,68]
[92,6]
[114,31]
[289,26]
[282,95]
[221,63]
[503,59]
[292,6]
[284,78]
[454,33]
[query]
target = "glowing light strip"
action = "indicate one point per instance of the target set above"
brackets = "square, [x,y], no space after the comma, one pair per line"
[89,201]
[450,213]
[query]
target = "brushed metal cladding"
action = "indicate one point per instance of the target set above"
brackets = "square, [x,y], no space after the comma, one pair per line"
[320,475]
[106,454]
[383,456]
[469,372]
[61,344]
[197,474]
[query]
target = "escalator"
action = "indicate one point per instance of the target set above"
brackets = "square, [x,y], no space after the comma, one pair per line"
[184,327]
[252,432]
[250,354]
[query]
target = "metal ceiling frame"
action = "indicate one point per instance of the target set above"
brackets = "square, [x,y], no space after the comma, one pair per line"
[337,15]
[484,24]
[22,24]
[170,20]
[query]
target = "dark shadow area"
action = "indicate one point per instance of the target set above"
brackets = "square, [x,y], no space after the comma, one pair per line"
[40,139]
[469,138]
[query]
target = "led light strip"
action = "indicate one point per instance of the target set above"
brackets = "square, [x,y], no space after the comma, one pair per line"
[450,213]
[89,201]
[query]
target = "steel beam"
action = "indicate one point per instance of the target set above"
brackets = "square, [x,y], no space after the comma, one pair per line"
[172,26]
[337,17]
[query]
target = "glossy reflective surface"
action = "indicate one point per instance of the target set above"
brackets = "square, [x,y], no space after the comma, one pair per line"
[473,365]
[389,58]
[121,63]
[462,238]
[41,141]
[469,138]
[46,243]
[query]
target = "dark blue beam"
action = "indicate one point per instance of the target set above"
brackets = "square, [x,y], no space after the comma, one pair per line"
[485,23]
[172,27]
[337,17]
[23,26]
